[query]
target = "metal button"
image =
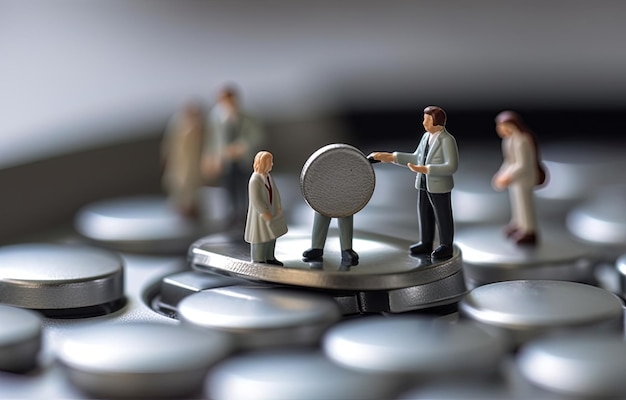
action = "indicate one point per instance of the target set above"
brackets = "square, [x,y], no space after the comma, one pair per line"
[20,339]
[524,310]
[291,376]
[577,169]
[147,223]
[601,220]
[413,346]
[261,316]
[490,257]
[176,287]
[580,366]
[141,359]
[47,276]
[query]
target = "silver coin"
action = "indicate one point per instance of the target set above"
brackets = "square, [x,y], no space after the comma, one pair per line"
[601,220]
[261,316]
[293,375]
[577,169]
[141,359]
[384,263]
[524,310]
[337,180]
[413,346]
[581,366]
[490,257]
[20,338]
[145,223]
[48,276]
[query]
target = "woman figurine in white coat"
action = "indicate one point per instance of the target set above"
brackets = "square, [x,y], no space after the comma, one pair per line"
[265,221]
[520,172]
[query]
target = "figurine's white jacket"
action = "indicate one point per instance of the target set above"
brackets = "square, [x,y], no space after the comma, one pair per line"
[257,229]
[442,161]
[520,161]
[520,164]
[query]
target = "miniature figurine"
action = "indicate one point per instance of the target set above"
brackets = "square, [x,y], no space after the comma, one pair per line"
[349,257]
[234,139]
[265,221]
[337,181]
[181,151]
[435,161]
[520,172]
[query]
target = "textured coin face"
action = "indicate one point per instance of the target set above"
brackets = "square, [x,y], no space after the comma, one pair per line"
[337,180]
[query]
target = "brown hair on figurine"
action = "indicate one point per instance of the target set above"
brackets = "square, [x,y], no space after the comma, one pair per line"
[439,116]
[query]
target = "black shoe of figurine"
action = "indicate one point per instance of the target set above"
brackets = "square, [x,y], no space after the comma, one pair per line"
[274,262]
[442,252]
[349,257]
[421,248]
[313,254]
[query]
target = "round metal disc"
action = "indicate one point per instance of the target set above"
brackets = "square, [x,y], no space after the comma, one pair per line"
[602,219]
[141,359]
[414,346]
[146,223]
[490,257]
[384,263]
[337,180]
[48,276]
[20,338]
[293,375]
[582,366]
[267,317]
[527,309]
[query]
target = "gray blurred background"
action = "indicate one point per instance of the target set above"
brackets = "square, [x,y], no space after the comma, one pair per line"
[86,87]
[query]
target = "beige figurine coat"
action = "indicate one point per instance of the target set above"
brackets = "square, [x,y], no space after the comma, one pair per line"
[520,164]
[182,152]
[257,229]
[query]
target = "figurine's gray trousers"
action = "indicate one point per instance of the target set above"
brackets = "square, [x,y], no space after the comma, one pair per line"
[320,231]
[261,252]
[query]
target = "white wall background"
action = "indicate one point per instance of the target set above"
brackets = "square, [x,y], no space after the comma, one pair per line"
[80,73]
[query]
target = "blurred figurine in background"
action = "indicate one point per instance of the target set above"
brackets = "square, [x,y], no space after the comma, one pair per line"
[520,172]
[435,161]
[265,221]
[181,153]
[234,139]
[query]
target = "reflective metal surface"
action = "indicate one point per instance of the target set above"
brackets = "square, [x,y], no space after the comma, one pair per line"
[413,346]
[149,223]
[261,316]
[48,276]
[601,220]
[140,359]
[490,257]
[524,310]
[384,263]
[20,338]
[292,376]
[581,366]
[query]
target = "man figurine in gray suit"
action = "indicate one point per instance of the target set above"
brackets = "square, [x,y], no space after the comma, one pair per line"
[435,161]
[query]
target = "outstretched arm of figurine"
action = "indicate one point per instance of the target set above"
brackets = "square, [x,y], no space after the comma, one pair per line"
[417,168]
[382,156]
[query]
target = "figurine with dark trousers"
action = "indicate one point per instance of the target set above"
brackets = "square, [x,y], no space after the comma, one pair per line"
[265,221]
[435,161]
[233,139]
[521,172]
